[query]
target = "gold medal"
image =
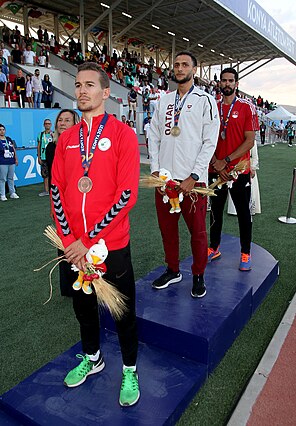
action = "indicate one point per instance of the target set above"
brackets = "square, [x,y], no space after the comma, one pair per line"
[85,184]
[175,131]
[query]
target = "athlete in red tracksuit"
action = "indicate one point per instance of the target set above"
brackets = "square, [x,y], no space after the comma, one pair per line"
[82,218]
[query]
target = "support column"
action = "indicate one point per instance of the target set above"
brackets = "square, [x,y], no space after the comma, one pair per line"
[25,19]
[200,70]
[110,34]
[173,50]
[157,57]
[56,27]
[81,20]
[142,53]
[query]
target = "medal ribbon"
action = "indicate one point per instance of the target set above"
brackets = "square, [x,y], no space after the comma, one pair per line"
[86,161]
[179,105]
[224,123]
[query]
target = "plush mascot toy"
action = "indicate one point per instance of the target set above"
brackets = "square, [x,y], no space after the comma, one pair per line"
[172,196]
[95,267]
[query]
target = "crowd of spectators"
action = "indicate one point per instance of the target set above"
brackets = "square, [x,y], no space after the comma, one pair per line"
[30,89]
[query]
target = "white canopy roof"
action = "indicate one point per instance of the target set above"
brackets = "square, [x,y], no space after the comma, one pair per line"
[281,113]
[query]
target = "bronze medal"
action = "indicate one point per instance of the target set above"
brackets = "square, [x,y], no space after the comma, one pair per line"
[85,184]
[175,131]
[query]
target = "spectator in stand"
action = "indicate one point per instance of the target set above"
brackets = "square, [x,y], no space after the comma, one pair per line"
[259,102]
[6,53]
[29,57]
[8,161]
[3,81]
[153,100]
[45,37]
[132,99]
[17,34]
[52,43]
[72,48]
[79,46]
[16,55]
[123,119]
[29,91]
[40,34]
[262,132]
[146,100]
[37,88]
[42,58]
[151,62]
[5,68]
[27,40]
[13,39]
[20,88]
[104,49]
[132,126]
[119,74]
[129,80]
[5,34]
[47,91]
[56,46]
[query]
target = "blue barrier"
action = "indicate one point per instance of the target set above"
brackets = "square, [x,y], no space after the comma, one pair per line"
[23,125]
[28,170]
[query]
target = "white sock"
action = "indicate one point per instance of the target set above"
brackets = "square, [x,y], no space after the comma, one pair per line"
[94,357]
[131,367]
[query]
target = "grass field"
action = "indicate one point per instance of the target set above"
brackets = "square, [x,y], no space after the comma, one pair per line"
[33,334]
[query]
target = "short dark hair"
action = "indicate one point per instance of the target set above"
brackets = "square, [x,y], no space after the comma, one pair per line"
[2,125]
[93,66]
[188,53]
[231,71]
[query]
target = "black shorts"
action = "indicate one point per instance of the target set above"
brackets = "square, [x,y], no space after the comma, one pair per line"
[44,169]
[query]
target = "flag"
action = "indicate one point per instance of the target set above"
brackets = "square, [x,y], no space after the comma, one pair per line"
[135,42]
[14,6]
[97,33]
[69,22]
[36,12]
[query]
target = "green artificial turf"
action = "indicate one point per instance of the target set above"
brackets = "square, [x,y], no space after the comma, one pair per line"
[32,334]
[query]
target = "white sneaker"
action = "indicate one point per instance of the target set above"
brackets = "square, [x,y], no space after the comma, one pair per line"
[43,194]
[3,198]
[14,196]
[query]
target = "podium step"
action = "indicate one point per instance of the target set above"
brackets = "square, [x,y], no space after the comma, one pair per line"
[167,384]
[203,329]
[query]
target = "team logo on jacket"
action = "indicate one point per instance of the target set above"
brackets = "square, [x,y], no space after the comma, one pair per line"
[235,114]
[189,106]
[104,144]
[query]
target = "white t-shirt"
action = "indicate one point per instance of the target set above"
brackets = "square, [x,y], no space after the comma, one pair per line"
[6,54]
[147,129]
[42,61]
[29,56]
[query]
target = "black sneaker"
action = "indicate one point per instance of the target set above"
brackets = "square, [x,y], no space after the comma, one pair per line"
[169,277]
[199,287]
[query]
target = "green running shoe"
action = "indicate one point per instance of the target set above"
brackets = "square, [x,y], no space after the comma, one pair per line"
[79,374]
[129,392]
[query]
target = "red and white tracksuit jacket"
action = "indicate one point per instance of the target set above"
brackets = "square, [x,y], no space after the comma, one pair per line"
[114,171]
